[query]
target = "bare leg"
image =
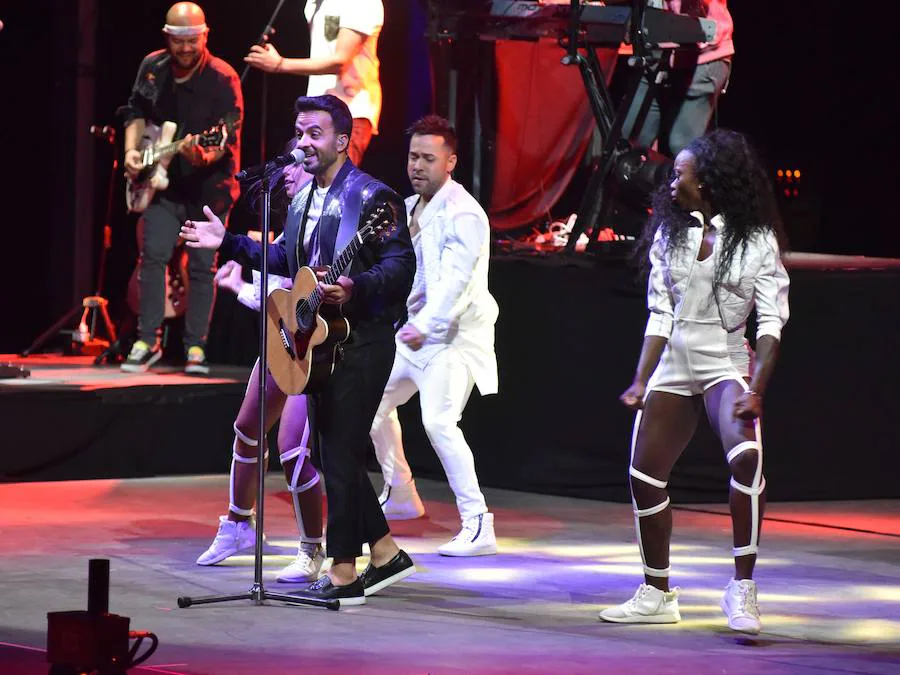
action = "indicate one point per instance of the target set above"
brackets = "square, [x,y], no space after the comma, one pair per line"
[246,426]
[662,431]
[742,443]
[301,476]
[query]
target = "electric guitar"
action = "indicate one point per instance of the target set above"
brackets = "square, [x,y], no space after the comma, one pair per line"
[305,335]
[157,150]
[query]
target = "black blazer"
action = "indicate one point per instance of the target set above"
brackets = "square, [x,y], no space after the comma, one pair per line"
[383,270]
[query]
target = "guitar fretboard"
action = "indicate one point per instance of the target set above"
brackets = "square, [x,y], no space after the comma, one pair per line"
[158,153]
[312,303]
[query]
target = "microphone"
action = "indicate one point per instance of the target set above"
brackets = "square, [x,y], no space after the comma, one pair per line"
[293,157]
[107,133]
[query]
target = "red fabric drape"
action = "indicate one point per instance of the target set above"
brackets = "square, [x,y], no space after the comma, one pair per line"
[544,127]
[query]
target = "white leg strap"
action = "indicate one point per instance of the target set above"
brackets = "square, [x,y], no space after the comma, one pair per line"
[661,574]
[291,454]
[642,513]
[753,491]
[653,510]
[300,453]
[751,549]
[252,442]
[739,448]
[644,478]
[239,459]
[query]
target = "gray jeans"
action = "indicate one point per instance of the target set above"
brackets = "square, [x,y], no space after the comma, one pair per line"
[162,223]
[681,109]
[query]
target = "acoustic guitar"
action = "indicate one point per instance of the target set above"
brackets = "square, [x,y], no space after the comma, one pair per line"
[305,335]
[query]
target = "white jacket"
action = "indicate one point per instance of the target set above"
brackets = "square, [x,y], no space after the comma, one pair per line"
[757,277]
[450,303]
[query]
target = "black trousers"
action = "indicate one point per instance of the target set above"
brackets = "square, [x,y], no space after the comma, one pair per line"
[343,415]
[162,223]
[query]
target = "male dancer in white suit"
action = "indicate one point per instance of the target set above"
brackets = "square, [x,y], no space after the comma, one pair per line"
[447,345]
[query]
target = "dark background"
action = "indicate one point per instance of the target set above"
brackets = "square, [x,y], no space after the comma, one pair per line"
[811,85]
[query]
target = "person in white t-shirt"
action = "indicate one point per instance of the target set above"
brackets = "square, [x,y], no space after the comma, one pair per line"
[343,61]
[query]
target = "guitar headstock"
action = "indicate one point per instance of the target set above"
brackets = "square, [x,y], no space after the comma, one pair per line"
[217,136]
[381,223]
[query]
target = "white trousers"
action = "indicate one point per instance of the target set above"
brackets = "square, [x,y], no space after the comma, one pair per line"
[444,387]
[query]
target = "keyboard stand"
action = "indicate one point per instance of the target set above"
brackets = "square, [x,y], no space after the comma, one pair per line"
[599,196]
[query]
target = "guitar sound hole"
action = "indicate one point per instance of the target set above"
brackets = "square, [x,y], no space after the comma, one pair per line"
[305,320]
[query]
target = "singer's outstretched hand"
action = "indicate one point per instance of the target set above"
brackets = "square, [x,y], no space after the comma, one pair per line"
[204,233]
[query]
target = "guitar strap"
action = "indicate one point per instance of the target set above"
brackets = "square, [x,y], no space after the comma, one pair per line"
[351,198]
[349,220]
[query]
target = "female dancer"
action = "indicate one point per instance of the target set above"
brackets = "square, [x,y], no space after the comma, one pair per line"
[237,528]
[713,256]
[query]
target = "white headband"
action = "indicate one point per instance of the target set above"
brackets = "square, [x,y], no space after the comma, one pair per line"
[184,31]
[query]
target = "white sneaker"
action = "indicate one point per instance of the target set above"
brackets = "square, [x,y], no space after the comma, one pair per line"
[401,502]
[232,538]
[740,606]
[306,565]
[649,605]
[475,538]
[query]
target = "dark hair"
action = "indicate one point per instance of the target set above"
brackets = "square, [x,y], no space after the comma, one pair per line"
[435,125]
[735,184]
[340,113]
[280,202]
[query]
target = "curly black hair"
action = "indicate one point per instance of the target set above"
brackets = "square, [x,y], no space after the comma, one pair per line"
[737,187]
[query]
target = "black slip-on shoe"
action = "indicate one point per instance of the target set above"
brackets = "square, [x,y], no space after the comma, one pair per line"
[323,589]
[375,579]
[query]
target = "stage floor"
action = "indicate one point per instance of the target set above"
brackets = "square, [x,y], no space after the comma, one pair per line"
[829,580]
[54,372]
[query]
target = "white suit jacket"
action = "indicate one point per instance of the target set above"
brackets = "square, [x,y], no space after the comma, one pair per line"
[450,303]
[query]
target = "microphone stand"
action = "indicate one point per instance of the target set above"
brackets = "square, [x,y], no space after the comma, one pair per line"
[257,592]
[96,302]
[267,32]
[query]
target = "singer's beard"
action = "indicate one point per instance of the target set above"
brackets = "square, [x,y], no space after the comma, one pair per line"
[320,163]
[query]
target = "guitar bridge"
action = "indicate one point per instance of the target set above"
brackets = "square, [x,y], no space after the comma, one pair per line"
[286,340]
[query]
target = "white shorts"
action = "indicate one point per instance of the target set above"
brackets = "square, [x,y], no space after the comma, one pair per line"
[699,356]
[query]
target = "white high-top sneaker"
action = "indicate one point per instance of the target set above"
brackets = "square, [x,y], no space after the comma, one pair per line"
[475,538]
[232,538]
[649,605]
[401,502]
[306,565]
[740,606]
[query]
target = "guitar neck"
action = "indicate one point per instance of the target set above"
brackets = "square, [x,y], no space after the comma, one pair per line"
[337,268]
[343,260]
[170,149]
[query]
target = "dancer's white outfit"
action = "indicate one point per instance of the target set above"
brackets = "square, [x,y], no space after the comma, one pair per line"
[705,346]
[451,306]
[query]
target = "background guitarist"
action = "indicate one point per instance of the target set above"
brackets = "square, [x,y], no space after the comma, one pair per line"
[185,84]
[324,216]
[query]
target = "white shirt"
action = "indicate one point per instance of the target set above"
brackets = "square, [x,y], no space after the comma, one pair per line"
[312,219]
[450,303]
[358,85]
